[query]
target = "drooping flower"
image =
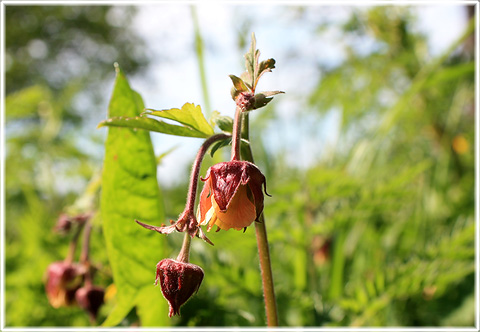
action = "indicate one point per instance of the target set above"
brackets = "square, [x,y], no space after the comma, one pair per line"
[90,298]
[232,196]
[63,280]
[178,281]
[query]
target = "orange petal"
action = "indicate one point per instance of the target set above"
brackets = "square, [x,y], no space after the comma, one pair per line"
[205,202]
[211,218]
[240,213]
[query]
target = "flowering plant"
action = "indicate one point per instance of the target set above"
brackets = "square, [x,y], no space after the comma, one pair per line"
[233,191]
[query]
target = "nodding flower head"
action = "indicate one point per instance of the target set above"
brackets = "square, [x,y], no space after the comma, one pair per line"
[90,298]
[232,196]
[178,281]
[63,280]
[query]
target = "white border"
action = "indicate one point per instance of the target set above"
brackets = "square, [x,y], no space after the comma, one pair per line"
[244,2]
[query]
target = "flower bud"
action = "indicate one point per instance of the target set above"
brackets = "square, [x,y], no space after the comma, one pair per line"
[63,279]
[232,196]
[90,298]
[178,281]
[246,101]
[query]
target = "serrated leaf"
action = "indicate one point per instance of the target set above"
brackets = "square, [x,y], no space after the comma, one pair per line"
[145,123]
[130,191]
[189,115]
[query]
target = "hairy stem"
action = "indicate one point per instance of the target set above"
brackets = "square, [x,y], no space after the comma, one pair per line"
[184,253]
[263,249]
[236,134]
[192,190]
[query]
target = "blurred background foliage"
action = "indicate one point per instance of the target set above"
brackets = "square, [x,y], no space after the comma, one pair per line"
[378,232]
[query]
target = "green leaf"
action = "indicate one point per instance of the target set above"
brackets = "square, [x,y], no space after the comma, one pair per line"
[26,102]
[189,115]
[225,123]
[150,305]
[238,83]
[130,191]
[265,67]
[254,69]
[263,98]
[251,60]
[238,86]
[143,122]
[119,311]
[219,145]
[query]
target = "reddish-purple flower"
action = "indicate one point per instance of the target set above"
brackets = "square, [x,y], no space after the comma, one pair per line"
[63,280]
[178,281]
[232,196]
[90,298]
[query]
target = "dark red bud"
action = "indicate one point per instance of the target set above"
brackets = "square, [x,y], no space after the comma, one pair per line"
[178,281]
[90,298]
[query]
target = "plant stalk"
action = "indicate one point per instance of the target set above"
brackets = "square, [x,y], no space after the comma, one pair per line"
[73,244]
[192,190]
[263,248]
[236,134]
[85,253]
[183,255]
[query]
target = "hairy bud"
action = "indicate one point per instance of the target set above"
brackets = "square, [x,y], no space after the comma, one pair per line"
[178,281]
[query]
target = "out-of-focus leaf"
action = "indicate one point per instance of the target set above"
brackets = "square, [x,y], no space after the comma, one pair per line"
[189,115]
[25,102]
[130,191]
[164,154]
